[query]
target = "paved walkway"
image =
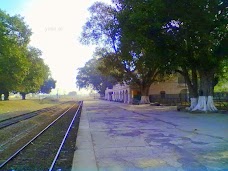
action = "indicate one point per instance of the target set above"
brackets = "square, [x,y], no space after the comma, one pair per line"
[114,136]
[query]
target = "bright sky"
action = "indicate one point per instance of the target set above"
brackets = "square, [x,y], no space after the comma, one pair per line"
[56,27]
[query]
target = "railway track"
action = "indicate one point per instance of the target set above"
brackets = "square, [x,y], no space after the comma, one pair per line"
[13,120]
[49,149]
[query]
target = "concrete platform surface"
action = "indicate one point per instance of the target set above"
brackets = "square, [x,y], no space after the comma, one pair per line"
[117,137]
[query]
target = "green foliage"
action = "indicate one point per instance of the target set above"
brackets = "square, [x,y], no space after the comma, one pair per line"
[22,69]
[203,28]
[48,85]
[36,74]
[222,85]
[110,64]
[151,38]
[198,41]
[90,76]
[101,28]
[14,36]
[140,31]
[132,59]
[185,35]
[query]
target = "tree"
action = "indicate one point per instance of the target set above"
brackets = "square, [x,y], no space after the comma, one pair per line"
[102,27]
[132,70]
[90,76]
[191,35]
[72,93]
[36,74]
[13,71]
[202,36]
[14,36]
[140,27]
[48,85]
[132,55]
[22,69]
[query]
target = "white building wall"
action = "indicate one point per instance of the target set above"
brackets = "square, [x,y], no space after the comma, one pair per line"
[121,93]
[118,93]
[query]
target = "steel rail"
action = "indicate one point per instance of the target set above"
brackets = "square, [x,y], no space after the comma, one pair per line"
[13,120]
[64,138]
[41,132]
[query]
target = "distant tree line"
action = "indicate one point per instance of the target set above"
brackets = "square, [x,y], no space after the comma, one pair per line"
[144,41]
[21,67]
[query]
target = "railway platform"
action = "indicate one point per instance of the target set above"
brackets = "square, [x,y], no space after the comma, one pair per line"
[117,137]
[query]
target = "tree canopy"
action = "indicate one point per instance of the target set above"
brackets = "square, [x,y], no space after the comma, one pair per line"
[90,76]
[127,58]
[36,74]
[189,37]
[48,85]
[22,69]
[14,36]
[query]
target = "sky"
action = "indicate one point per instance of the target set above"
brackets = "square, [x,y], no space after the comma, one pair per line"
[56,27]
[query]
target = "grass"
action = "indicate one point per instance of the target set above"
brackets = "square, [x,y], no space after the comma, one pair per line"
[16,135]
[16,107]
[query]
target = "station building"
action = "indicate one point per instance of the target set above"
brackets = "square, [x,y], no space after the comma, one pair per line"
[121,93]
[174,88]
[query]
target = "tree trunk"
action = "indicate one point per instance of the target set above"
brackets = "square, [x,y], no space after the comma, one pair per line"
[205,101]
[6,95]
[145,95]
[193,103]
[193,89]
[192,83]
[23,95]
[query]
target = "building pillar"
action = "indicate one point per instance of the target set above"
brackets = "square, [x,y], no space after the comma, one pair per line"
[126,96]
[130,96]
[113,96]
